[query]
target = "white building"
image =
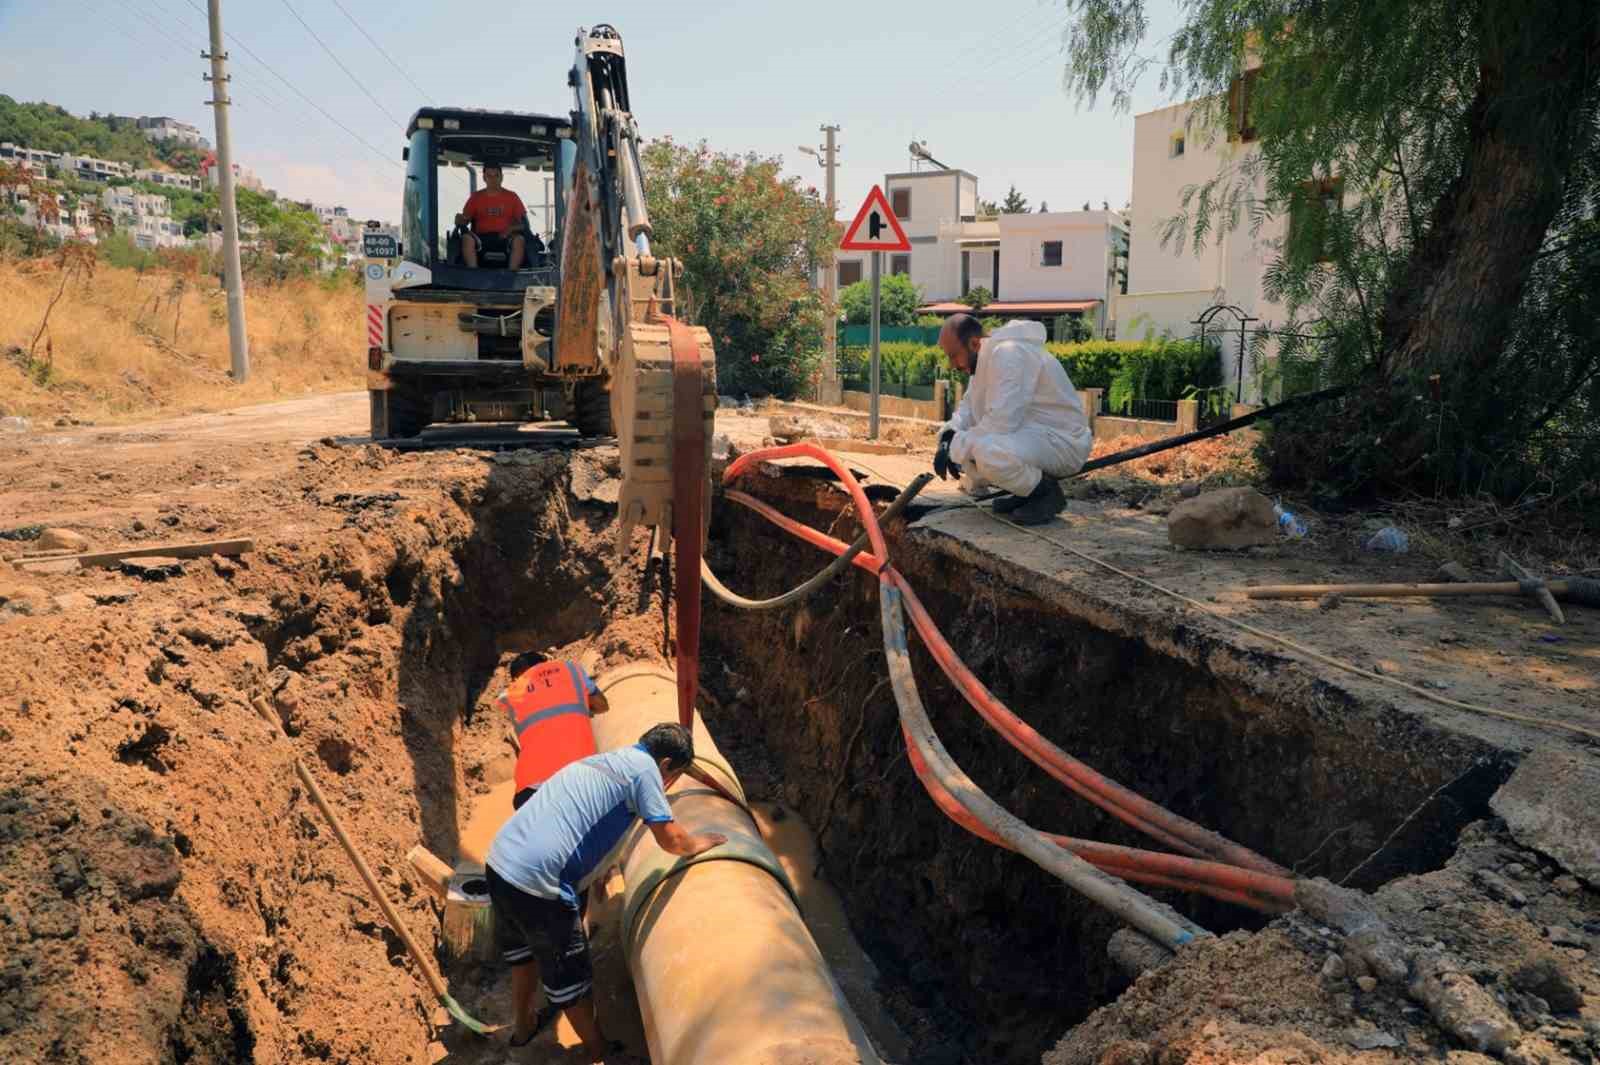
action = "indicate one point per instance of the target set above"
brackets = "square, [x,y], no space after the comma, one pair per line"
[170,179]
[146,216]
[88,168]
[1169,290]
[1035,266]
[162,128]
[33,160]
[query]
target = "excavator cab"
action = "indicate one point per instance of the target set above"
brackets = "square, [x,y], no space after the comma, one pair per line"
[446,152]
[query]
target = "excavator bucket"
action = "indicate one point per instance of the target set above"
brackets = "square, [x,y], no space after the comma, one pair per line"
[658,419]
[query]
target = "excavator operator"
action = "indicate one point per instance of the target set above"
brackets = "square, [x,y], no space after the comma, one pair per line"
[498,221]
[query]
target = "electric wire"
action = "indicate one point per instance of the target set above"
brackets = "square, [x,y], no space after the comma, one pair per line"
[382,51]
[340,64]
[386,156]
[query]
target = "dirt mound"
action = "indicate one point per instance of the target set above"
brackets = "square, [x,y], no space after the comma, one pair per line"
[169,893]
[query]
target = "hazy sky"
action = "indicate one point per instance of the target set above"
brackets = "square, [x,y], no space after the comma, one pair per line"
[980,83]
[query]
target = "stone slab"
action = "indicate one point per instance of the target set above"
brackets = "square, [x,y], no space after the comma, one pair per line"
[1552,804]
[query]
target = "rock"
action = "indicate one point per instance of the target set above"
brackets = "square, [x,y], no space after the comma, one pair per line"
[62,540]
[1452,573]
[27,599]
[1333,968]
[13,423]
[53,920]
[798,426]
[1567,884]
[1229,518]
[1331,601]
[1127,1052]
[1188,489]
[1367,984]
[74,601]
[1548,806]
[1548,980]
[152,568]
[1461,1007]
[1563,936]
[1497,886]
[1372,1040]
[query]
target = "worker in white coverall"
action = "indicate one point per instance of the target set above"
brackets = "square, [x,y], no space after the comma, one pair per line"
[1021,424]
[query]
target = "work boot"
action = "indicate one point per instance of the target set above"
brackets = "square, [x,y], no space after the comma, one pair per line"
[1042,504]
[1005,504]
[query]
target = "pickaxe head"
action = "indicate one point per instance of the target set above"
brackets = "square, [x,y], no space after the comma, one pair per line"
[1532,585]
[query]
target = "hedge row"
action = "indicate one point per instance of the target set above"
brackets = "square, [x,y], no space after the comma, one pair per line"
[1136,369]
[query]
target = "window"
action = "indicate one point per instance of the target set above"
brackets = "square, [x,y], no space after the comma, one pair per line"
[1050,253]
[849,273]
[1176,145]
[1314,206]
[1240,125]
[899,264]
[900,203]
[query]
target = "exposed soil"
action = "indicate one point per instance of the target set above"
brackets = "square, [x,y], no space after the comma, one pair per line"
[168,893]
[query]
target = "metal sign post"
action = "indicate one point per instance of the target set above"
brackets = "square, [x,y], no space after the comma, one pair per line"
[875,230]
[872,409]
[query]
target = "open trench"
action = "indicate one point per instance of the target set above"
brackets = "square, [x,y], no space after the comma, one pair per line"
[978,955]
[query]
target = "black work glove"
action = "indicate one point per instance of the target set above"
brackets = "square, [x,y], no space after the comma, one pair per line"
[943,464]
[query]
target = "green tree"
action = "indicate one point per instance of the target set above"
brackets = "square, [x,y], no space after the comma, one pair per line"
[53,129]
[1014,203]
[1436,161]
[978,298]
[898,300]
[750,241]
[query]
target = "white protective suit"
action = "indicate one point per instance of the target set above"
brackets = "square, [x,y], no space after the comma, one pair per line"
[1021,416]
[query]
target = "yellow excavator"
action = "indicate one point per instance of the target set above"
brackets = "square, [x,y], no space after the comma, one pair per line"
[580,330]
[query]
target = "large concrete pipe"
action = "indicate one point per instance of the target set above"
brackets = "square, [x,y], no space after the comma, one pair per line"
[725,969]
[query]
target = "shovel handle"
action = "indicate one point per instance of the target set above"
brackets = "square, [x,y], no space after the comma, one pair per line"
[429,973]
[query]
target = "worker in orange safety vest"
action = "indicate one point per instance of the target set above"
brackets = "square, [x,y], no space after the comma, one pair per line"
[549,702]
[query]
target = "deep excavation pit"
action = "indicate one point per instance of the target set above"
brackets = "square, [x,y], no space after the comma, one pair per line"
[211,918]
[981,956]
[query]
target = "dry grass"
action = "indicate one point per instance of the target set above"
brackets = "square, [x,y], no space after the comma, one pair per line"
[1213,463]
[124,345]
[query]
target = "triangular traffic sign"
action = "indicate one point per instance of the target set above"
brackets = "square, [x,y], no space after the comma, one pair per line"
[875,228]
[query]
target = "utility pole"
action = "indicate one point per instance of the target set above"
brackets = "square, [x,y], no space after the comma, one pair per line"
[238,343]
[830,390]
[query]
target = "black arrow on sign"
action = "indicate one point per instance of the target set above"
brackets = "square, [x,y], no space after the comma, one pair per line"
[874,226]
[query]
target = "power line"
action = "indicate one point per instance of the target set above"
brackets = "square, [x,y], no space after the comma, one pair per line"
[253,90]
[340,63]
[296,89]
[382,51]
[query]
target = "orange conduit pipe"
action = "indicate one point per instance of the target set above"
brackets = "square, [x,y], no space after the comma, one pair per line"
[1243,887]
[1114,894]
[1281,887]
[1155,821]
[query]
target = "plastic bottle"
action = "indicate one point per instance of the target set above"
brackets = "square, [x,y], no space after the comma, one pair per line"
[1389,539]
[1292,526]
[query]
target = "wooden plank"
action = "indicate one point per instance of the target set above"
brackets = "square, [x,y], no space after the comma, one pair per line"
[862,447]
[199,549]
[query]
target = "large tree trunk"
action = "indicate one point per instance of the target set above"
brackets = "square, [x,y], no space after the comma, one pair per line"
[1452,308]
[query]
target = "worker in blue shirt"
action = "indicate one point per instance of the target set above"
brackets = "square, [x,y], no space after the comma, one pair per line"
[542,860]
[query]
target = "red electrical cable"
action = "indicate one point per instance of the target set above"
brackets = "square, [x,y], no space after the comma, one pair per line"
[1160,824]
[1253,887]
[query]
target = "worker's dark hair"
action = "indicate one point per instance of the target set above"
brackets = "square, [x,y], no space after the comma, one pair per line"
[672,742]
[966,327]
[524,662]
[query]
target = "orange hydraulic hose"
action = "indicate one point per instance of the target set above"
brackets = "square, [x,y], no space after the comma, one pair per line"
[1259,891]
[1154,820]
[924,625]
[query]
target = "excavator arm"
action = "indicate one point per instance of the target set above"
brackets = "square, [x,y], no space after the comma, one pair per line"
[615,310]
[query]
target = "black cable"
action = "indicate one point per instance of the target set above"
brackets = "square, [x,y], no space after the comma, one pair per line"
[340,64]
[382,51]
